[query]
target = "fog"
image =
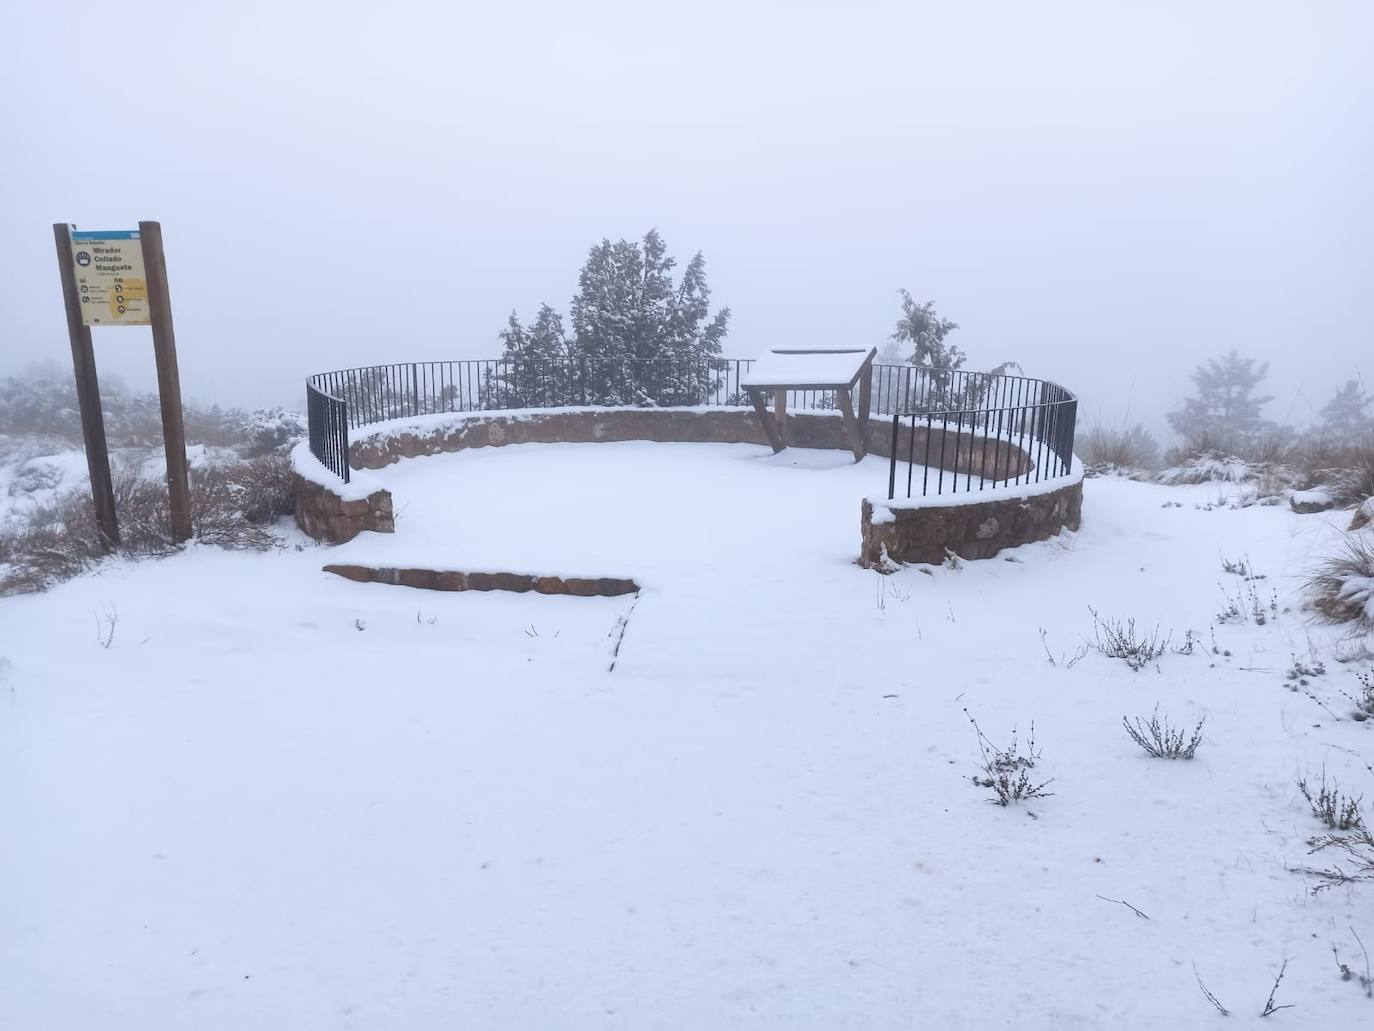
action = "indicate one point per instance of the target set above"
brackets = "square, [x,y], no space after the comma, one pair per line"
[1105,196]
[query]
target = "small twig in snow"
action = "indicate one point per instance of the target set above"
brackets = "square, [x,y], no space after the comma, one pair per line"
[1319,702]
[1269,1006]
[110,619]
[1208,994]
[1368,981]
[621,626]
[1123,902]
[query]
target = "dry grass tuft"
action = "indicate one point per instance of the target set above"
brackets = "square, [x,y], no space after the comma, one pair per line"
[1118,450]
[1342,590]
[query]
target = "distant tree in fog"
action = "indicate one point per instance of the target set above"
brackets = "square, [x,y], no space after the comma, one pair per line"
[1349,412]
[1226,414]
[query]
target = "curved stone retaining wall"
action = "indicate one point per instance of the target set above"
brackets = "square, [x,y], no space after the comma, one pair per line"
[979,529]
[901,531]
[327,516]
[956,452]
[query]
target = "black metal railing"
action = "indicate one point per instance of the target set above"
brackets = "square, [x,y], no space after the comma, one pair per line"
[969,402]
[327,417]
[1021,431]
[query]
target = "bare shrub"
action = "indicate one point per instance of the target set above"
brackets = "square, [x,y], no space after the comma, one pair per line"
[1342,590]
[1355,851]
[1162,741]
[1365,980]
[260,488]
[1005,770]
[1246,606]
[1339,812]
[1120,639]
[1241,567]
[230,508]
[1343,466]
[1363,698]
[1107,450]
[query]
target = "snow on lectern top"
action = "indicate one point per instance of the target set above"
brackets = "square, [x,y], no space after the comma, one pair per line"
[806,368]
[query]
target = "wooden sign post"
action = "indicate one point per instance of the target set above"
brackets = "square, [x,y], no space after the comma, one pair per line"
[119,278]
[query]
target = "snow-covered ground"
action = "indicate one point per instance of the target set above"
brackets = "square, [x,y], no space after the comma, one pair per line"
[277,798]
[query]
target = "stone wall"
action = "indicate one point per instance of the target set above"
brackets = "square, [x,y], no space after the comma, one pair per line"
[449,580]
[979,529]
[952,451]
[327,517]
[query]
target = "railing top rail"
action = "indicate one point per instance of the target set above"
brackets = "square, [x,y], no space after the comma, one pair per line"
[922,369]
[310,384]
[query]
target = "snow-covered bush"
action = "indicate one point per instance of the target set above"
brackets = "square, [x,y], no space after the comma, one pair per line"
[1246,605]
[1118,451]
[1339,812]
[1120,639]
[1363,698]
[1342,590]
[33,476]
[231,507]
[45,405]
[1006,770]
[1162,741]
[1210,466]
[1341,466]
[271,431]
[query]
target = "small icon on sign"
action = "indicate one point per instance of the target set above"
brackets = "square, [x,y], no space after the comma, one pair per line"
[83,258]
[121,309]
[85,300]
[84,288]
[119,298]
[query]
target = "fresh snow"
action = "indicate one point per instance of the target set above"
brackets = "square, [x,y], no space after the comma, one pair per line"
[968,490]
[282,799]
[359,486]
[784,367]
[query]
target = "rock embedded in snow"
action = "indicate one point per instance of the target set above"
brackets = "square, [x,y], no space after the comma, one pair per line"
[1364,515]
[1306,502]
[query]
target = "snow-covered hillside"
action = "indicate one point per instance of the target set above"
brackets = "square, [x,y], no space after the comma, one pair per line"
[256,795]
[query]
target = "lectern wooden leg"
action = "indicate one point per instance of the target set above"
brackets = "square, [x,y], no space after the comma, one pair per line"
[766,421]
[865,399]
[851,425]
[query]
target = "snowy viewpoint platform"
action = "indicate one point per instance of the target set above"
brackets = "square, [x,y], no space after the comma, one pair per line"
[980,513]
[838,369]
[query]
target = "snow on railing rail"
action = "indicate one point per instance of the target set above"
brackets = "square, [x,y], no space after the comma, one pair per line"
[1010,406]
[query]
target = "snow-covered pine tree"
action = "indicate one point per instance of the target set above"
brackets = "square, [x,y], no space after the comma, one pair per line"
[1227,413]
[921,330]
[693,341]
[1348,414]
[640,338]
[534,370]
[604,321]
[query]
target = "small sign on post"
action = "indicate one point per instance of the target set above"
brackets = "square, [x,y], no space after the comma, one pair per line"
[109,277]
[119,278]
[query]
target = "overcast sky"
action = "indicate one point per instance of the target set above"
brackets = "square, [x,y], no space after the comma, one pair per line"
[1106,193]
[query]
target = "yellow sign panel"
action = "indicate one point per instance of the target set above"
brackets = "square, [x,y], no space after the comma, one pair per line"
[110,278]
